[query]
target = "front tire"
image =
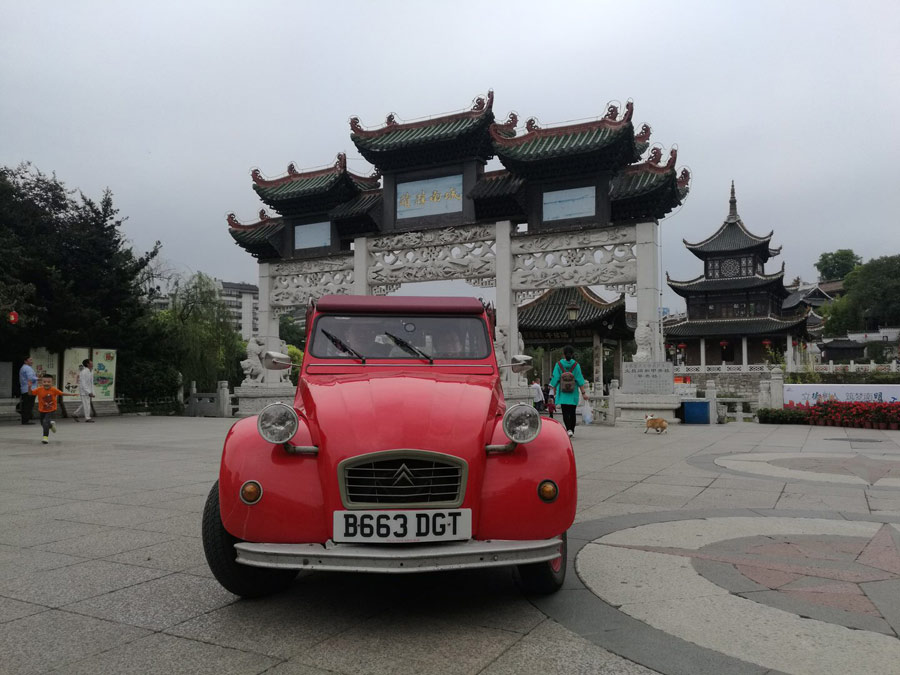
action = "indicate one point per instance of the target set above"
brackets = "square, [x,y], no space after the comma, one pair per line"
[546,577]
[218,545]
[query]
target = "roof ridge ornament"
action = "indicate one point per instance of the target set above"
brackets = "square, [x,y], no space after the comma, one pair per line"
[337,168]
[643,136]
[503,133]
[684,178]
[481,105]
[234,223]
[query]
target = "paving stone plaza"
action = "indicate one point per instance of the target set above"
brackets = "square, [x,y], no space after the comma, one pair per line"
[736,548]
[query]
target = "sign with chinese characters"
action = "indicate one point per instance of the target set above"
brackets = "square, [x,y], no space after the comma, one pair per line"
[104,374]
[805,395]
[72,359]
[648,377]
[431,197]
[45,362]
[574,203]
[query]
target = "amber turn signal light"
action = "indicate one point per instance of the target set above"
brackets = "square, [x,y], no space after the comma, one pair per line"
[251,492]
[548,491]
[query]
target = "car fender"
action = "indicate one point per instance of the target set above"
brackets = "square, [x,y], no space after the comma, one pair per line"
[291,508]
[510,505]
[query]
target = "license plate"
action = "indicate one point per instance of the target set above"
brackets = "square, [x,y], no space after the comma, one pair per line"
[397,527]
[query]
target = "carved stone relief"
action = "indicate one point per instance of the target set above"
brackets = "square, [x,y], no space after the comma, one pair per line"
[623,234]
[580,266]
[442,237]
[467,260]
[294,283]
[628,289]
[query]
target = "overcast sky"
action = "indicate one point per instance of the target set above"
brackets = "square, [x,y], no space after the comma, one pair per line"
[170,104]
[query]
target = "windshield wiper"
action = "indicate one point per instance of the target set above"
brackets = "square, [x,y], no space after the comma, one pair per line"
[344,347]
[409,348]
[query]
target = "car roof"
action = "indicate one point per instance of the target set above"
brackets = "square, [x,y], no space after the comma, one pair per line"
[375,304]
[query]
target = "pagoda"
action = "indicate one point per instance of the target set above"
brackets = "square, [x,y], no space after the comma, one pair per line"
[736,313]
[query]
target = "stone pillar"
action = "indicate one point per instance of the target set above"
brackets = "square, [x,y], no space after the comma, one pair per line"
[777,388]
[744,353]
[223,399]
[598,365]
[257,391]
[789,354]
[515,387]
[702,355]
[361,266]
[713,406]
[268,320]
[617,362]
[546,366]
[506,301]
[611,410]
[648,333]
[765,394]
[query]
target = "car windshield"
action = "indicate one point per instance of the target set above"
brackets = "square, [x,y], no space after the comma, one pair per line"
[386,336]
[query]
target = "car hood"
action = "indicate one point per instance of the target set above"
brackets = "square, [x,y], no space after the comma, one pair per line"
[356,414]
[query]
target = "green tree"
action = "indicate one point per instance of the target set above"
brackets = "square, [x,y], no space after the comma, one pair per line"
[291,331]
[837,264]
[197,328]
[872,298]
[67,269]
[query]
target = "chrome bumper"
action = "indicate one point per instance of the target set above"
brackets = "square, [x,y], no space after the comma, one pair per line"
[397,559]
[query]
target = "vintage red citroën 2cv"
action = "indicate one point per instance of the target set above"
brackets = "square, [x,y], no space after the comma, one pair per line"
[398,454]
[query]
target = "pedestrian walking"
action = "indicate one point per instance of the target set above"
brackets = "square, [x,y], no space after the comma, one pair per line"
[46,395]
[537,395]
[85,390]
[27,381]
[566,382]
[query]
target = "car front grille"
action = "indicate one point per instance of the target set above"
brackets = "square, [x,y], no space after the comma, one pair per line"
[403,478]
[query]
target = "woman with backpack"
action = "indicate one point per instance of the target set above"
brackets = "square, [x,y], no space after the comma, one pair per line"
[567,380]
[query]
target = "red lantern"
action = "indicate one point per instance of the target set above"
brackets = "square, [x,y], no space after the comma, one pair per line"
[794,343]
[13,317]
[723,344]
[767,343]
[681,345]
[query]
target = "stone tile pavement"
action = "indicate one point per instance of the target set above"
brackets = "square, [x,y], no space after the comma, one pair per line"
[682,542]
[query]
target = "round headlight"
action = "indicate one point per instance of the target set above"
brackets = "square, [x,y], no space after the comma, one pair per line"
[521,423]
[277,423]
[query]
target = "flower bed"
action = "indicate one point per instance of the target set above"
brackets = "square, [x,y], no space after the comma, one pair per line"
[837,414]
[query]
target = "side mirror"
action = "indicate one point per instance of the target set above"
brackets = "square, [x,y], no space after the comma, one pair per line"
[518,363]
[276,361]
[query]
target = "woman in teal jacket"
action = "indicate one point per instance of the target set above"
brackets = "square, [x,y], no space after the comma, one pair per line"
[568,400]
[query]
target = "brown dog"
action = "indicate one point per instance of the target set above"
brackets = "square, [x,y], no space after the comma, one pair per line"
[660,425]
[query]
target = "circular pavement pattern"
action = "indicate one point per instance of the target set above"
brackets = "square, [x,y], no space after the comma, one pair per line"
[844,468]
[733,591]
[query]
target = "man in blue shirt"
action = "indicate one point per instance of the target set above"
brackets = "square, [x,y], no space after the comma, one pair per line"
[27,381]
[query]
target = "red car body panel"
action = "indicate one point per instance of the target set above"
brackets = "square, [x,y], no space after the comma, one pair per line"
[350,409]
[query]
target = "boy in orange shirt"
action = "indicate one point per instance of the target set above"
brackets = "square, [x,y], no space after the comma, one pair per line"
[46,399]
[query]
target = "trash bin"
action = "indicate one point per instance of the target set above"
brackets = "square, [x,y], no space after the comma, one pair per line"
[696,412]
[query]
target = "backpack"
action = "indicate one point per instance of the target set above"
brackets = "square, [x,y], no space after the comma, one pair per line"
[567,379]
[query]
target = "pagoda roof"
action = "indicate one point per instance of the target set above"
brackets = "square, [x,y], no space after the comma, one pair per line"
[604,144]
[704,285]
[447,138]
[650,189]
[313,190]
[733,237]
[758,325]
[359,206]
[496,184]
[549,311]
[257,238]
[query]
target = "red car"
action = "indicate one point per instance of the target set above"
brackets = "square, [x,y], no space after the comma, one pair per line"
[397,454]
